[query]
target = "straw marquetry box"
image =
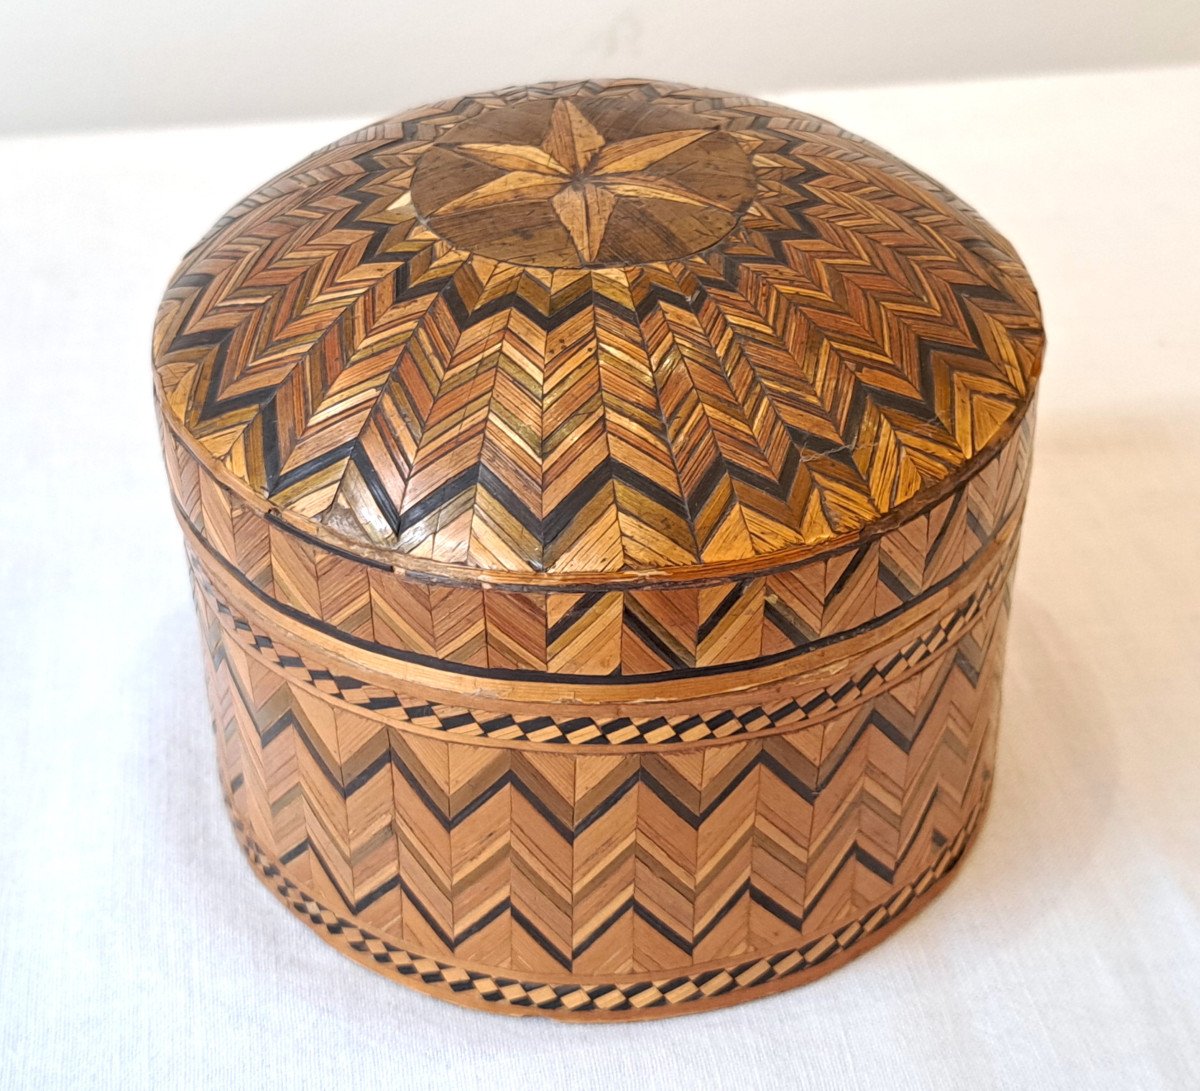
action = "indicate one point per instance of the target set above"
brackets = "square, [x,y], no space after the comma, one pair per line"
[602,501]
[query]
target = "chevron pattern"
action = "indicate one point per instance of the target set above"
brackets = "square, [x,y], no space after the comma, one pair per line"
[609,1001]
[845,347]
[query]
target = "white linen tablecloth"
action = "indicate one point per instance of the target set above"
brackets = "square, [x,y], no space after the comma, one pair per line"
[138,950]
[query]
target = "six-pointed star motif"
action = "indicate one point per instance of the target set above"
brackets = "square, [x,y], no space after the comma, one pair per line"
[581,174]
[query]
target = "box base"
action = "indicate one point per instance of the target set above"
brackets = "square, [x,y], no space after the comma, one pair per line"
[630,997]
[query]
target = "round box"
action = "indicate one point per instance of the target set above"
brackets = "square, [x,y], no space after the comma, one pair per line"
[602,500]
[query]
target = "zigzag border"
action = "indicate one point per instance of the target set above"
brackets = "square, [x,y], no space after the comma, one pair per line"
[620,1000]
[464,723]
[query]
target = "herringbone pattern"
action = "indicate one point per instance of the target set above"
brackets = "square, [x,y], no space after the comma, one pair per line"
[843,338]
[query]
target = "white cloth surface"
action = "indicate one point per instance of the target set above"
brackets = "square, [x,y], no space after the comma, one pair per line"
[138,950]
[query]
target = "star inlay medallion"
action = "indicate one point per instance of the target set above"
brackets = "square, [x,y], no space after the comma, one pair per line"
[565,183]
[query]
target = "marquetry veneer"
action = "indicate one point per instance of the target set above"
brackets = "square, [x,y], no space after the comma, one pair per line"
[601,501]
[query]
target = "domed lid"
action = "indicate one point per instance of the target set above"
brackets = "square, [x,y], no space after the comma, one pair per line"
[603,329]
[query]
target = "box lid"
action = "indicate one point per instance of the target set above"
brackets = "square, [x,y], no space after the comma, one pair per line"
[606,331]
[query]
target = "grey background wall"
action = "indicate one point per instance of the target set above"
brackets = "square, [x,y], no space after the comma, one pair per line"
[81,64]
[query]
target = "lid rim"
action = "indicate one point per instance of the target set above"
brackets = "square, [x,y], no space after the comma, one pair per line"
[696,575]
